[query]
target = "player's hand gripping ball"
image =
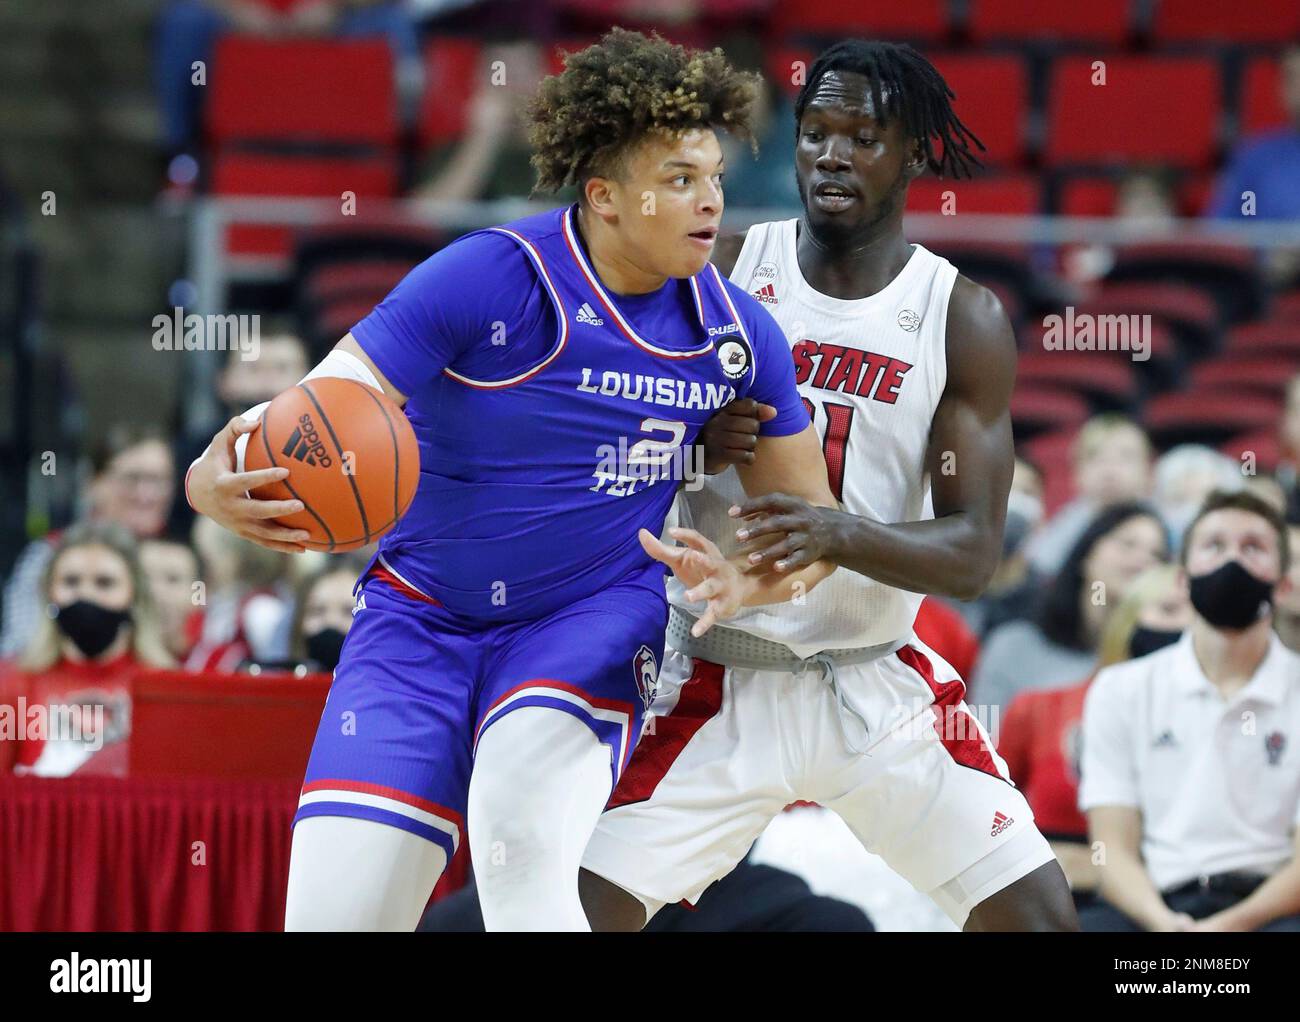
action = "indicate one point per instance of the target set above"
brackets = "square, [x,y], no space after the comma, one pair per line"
[352,459]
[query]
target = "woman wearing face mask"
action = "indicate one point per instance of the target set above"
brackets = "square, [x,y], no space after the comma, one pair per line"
[132,484]
[97,632]
[1062,645]
[322,616]
[1040,737]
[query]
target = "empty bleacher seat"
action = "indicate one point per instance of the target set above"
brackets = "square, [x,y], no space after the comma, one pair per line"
[1214,21]
[1207,416]
[920,20]
[1008,194]
[1153,109]
[1036,410]
[1261,106]
[321,91]
[1098,21]
[992,100]
[1107,383]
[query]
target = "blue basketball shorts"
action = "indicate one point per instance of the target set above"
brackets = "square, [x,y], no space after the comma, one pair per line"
[416,687]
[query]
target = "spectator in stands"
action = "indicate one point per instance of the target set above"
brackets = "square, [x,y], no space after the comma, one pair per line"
[171,568]
[1015,591]
[491,159]
[1288,469]
[1267,165]
[1286,603]
[245,597]
[1260,179]
[188,31]
[1112,465]
[1061,646]
[133,484]
[1191,770]
[99,629]
[1040,733]
[323,615]
[1184,476]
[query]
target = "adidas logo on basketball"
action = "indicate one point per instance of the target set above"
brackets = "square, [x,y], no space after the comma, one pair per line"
[1000,823]
[766,293]
[588,315]
[305,444]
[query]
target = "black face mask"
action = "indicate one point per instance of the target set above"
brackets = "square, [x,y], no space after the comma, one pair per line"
[1230,596]
[325,646]
[1146,640]
[91,628]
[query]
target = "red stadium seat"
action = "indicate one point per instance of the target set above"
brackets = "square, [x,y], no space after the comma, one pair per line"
[251,174]
[1087,196]
[1099,21]
[1269,375]
[1053,455]
[1287,306]
[992,99]
[1036,410]
[1207,416]
[355,278]
[338,91]
[1153,109]
[1264,444]
[1164,348]
[1010,194]
[1261,97]
[782,64]
[1276,338]
[451,68]
[1257,21]
[1104,381]
[922,20]
[1189,309]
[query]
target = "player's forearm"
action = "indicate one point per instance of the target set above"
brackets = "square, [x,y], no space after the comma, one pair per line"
[948,556]
[1126,884]
[783,587]
[1277,896]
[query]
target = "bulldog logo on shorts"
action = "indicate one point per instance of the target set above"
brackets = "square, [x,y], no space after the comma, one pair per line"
[647,675]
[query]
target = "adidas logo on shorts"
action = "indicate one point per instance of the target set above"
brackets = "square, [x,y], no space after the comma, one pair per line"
[1001,821]
[588,315]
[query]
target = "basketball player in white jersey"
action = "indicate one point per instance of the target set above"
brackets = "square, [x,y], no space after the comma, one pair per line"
[906,368]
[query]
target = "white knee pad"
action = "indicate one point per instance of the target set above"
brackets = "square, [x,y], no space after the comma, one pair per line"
[347,874]
[540,781]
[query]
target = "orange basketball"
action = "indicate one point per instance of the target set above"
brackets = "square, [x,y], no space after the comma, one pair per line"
[351,456]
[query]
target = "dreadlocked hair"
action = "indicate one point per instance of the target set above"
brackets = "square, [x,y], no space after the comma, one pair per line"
[903,84]
[614,93]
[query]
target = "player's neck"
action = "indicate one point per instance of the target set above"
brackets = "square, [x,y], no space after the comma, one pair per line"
[613,265]
[853,266]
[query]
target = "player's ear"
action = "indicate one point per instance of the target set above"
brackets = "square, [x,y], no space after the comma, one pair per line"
[915,159]
[599,193]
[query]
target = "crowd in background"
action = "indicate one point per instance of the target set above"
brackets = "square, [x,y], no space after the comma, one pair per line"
[137,582]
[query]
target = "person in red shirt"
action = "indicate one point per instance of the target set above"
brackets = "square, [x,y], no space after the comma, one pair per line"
[70,691]
[1040,736]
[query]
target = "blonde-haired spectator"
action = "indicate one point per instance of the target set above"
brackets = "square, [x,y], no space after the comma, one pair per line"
[1112,465]
[98,631]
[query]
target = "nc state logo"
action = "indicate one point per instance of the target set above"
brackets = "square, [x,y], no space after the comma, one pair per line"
[1274,746]
[646,672]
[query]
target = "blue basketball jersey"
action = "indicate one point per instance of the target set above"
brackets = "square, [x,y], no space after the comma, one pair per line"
[535,478]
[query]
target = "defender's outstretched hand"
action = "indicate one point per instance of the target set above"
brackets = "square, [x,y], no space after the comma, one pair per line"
[700,566]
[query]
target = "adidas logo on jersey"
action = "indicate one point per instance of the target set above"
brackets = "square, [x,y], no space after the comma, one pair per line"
[305,444]
[1000,823]
[588,315]
[766,293]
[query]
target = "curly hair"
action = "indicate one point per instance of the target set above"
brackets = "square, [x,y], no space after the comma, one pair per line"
[614,93]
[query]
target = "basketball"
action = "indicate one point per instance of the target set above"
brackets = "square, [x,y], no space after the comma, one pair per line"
[352,461]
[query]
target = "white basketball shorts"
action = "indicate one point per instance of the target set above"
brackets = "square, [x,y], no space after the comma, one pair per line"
[729,748]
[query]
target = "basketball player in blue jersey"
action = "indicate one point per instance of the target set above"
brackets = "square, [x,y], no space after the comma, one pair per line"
[507,634]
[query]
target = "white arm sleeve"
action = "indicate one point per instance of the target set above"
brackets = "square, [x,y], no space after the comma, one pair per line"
[341,364]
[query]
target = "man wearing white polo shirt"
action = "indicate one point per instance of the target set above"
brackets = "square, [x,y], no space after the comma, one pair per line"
[1191,755]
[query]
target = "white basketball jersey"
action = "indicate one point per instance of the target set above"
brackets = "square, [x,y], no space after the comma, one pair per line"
[871,371]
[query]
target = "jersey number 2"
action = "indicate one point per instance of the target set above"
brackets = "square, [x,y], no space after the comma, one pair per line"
[835,440]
